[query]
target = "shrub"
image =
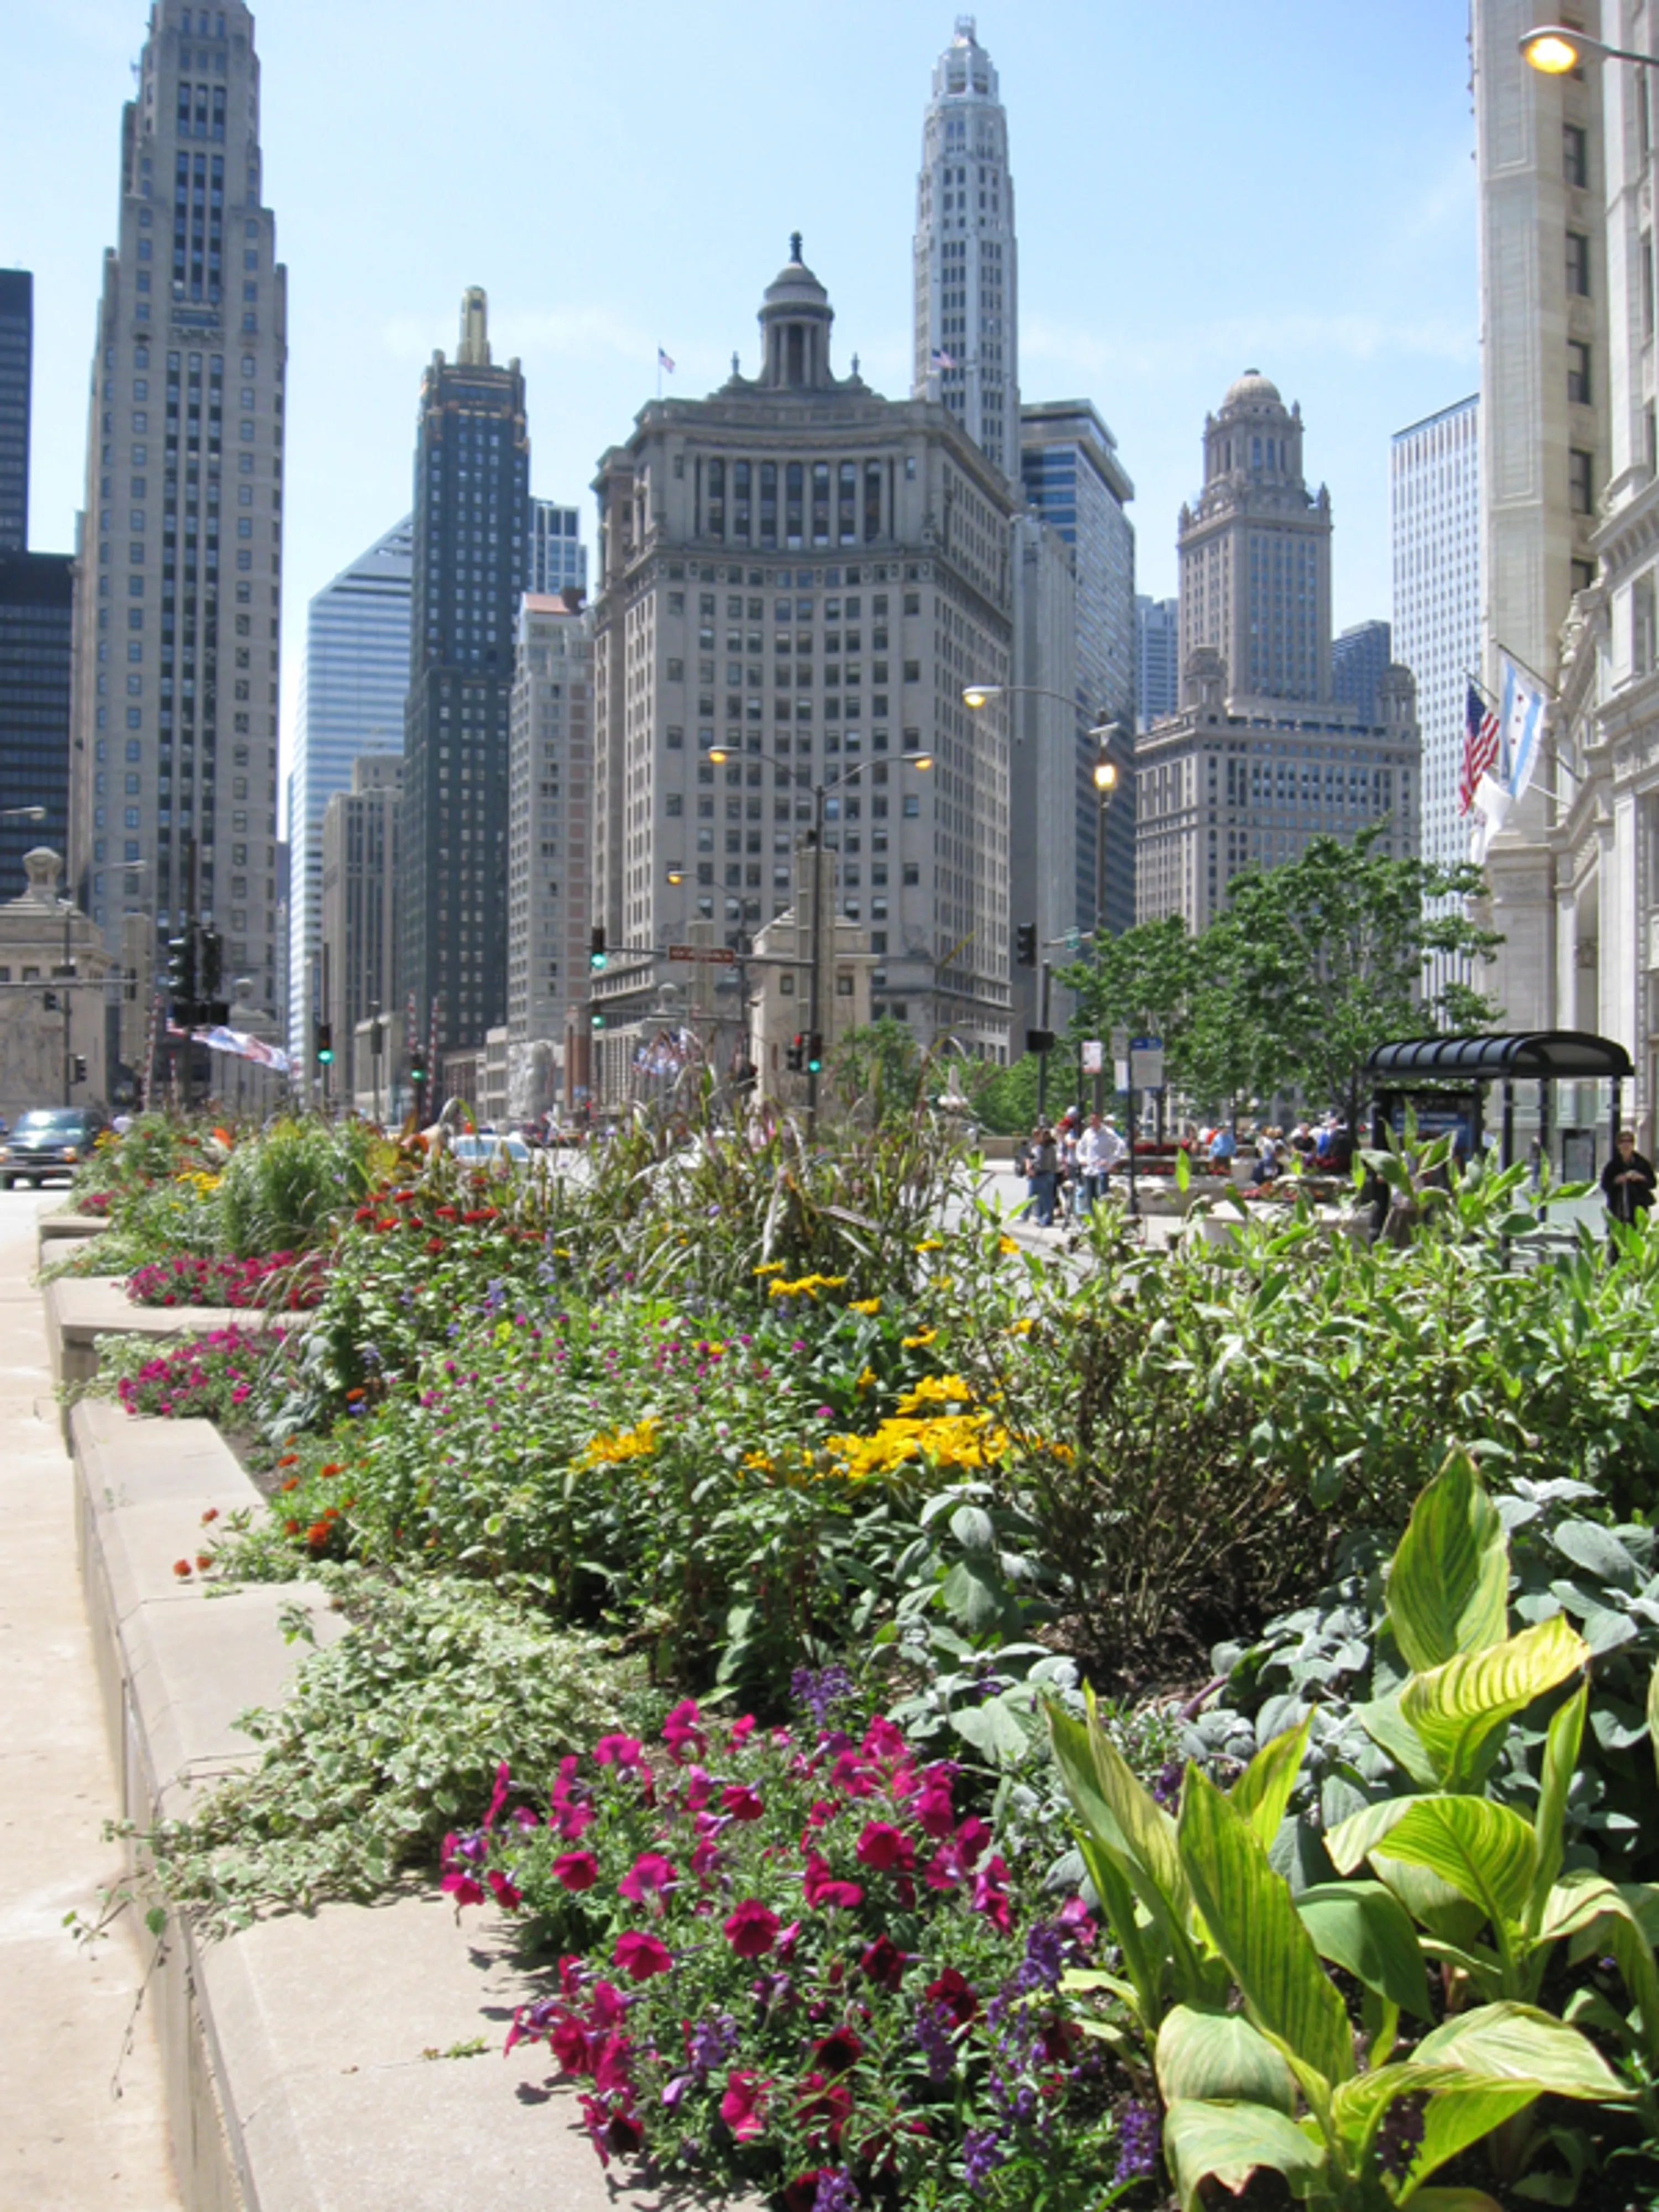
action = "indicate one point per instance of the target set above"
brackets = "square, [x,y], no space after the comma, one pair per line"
[281,1192]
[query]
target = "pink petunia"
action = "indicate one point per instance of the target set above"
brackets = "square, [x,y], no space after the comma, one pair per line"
[824,1892]
[503,1890]
[742,1802]
[576,1870]
[884,1849]
[752,1929]
[649,1878]
[682,1733]
[619,1750]
[640,1956]
[743,2107]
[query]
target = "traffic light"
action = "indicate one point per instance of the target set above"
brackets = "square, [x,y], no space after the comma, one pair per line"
[49,1002]
[417,1068]
[596,955]
[794,1055]
[79,1066]
[324,1044]
[596,1019]
[213,1009]
[181,979]
[1025,945]
[1039,1039]
[815,1054]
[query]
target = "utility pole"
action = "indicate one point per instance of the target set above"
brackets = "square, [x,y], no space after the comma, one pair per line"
[1043,1057]
[815,979]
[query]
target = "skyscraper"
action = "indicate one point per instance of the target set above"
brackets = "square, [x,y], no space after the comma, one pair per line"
[1157,659]
[176,631]
[799,568]
[1072,477]
[1435,482]
[966,275]
[471,525]
[549,833]
[557,557]
[353,685]
[1260,758]
[1359,657]
[358,905]
[16,353]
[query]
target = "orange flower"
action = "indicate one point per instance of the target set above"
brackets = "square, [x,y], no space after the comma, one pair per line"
[224,1136]
[204,1560]
[435,1245]
[317,1534]
[290,1527]
[290,1459]
[212,1514]
[292,1483]
[352,1396]
[181,1568]
[334,1466]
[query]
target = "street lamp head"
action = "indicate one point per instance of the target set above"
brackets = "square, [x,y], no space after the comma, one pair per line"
[1553,50]
[1105,777]
[22,813]
[917,760]
[717,754]
[981,695]
[676,875]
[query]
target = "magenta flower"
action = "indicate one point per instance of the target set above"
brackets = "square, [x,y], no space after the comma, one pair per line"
[506,1895]
[752,1929]
[743,2107]
[576,1870]
[618,1751]
[650,1876]
[742,1802]
[822,1892]
[640,1956]
[884,1849]
[681,1732]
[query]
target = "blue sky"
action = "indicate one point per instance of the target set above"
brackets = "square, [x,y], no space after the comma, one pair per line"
[1200,187]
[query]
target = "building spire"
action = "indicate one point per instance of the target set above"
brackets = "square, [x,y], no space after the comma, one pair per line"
[475,328]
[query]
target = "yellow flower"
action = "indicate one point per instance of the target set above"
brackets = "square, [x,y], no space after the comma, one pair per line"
[864,1305]
[948,1442]
[638,1442]
[1021,1327]
[1006,1245]
[806,1286]
[758,1461]
[867,1381]
[768,1267]
[931,1244]
[923,1338]
[936,1390]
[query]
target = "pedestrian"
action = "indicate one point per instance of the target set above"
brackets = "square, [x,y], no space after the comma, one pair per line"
[1099,1148]
[1042,1175]
[1627,1180]
[1223,1150]
[1268,1160]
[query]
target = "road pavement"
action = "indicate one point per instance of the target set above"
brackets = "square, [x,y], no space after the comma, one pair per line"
[81,2120]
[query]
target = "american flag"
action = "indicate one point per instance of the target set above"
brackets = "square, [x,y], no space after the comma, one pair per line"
[1479,747]
[940,359]
[665,362]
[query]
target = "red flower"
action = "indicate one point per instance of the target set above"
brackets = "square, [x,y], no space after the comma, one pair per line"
[649,1877]
[752,1929]
[203,1560]
[824,2109]
[838,2051]
[502,1890]
[884,1849]
[741,1801]
[801,2194]
[640,1956]
[743,2107]
[212,1514]
[883,1962]
[576,1869]
[435,1245]
[611,2129]
[932,1810]
[463,1889]
[181,1568]
[570,2046]
[991,1897]
[821,1889]
[954,1993]
[681,1732]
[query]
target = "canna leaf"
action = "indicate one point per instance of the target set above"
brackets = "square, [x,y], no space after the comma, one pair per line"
[1461,2114]
[1561,1746]
[1231,2142]
[1253,1922]
[1219,2056]
[1518,2043]
[1484,1851]
[1263,1791]
[1364,1928]
[1455,1711]
[1449,1586]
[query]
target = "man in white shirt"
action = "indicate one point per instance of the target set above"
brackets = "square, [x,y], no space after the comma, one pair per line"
[1099,1148]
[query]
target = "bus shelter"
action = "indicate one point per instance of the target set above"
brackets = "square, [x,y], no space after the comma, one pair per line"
[1446,1081]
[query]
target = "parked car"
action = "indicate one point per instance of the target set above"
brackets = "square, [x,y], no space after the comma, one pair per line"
[48,1140]
[490,1148]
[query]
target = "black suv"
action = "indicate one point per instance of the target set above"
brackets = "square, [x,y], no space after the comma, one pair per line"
[48,1140]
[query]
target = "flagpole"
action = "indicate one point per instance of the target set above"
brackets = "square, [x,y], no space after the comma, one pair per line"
[1542,682]
[660,372]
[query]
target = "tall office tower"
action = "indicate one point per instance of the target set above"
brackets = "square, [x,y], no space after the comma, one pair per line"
[967,273]
[1254,554]
[1157,659]
[16,353]
[809,574]
[1359,657]
[353,685]
[357,914]
[1545,167]
[1434,487]
[549,840]
[181,541]
[37,595]
[1260,758]
[557,557]
[1072,477]
[471,526]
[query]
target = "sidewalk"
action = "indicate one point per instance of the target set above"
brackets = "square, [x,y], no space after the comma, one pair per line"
[68,2140]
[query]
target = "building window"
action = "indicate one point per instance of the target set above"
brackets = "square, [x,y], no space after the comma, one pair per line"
[1579,263]
[1579,372]
[1643,657]
[1575,155]
[1580,495]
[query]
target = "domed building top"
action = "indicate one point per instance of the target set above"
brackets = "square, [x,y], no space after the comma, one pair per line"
[795,285]
[1253,390]
[794,319]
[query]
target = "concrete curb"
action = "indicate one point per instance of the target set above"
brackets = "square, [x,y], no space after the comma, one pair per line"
[294,2052]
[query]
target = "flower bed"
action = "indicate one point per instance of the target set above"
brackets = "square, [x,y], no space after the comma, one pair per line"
[790,1961]
[287,1279]
[211,1378]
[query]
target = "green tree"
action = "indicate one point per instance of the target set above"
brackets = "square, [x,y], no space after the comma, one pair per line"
[1320,961]
[879,1070]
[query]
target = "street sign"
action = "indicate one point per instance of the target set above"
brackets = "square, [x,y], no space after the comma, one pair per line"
[1120,1074]
[1119,1042]
[1094,1056]
[721,954]
[1146,1063]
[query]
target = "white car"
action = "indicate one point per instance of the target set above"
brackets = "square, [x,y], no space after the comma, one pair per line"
[490,1149]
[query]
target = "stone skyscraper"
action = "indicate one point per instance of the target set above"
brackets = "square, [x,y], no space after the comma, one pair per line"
[16,352]
[1157,659]
[1435,482]
[967,277]
[353,683]
[1260,757]
[471,528]
[181,541]
[549,848]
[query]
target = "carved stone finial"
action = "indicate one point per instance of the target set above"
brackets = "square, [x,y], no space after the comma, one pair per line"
[794,245]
